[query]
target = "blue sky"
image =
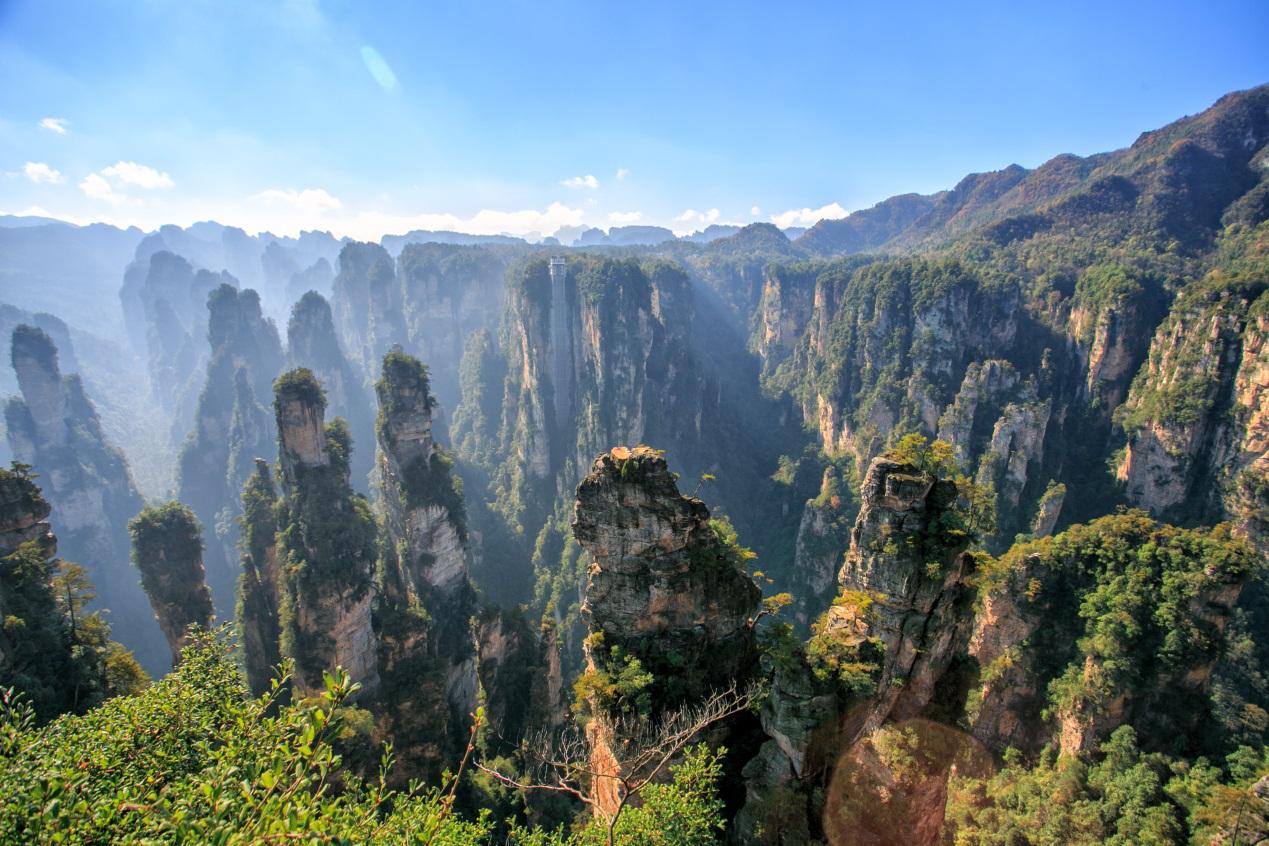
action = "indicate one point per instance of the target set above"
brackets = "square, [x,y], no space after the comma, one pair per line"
[365,118]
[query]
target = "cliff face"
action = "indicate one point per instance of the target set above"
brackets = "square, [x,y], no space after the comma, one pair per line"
[232,428]
[53,652]
[54,428]
[885,656]
[367,304]
[1195,420]
[311,343]
[427,602]
[167,547]
[449,292]
[326,546]
[647,365]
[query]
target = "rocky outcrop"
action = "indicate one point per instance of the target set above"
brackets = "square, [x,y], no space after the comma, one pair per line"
[312,343]
[661,580]
[906,556]
[54,428]
[1047,675]
[233,427]
[167,547]
[521,679]
[822,540]
[662,585]
[327,541]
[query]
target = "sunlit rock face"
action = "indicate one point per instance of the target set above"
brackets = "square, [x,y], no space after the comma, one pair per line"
[659,574]
[54,427]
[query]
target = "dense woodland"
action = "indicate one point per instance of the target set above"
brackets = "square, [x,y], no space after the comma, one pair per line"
[942,523]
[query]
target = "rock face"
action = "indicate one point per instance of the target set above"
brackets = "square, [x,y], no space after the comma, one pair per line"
[367,304]
[52,651]
[905,609]
[312,343]
[233,427]
[660,578]
[327,544]
[54,428]
[167,547]
[653,360]
[427,602]
[449,292]
[1195,417]
[916,572]
[662,586]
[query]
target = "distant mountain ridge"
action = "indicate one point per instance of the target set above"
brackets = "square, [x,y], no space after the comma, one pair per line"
[1211,157]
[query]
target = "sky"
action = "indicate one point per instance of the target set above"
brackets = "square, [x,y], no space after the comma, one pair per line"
[372,118]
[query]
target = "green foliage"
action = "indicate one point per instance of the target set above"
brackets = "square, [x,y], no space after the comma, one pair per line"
[839,649]
[1124,797]
[193,760]
[1133,607]
[298,385]
[685,812]
[167,547]
[618,684]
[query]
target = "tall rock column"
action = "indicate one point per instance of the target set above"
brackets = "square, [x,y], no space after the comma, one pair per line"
[54,428]
[257,607]
[427,604]
[326,543]
[907,571]
[167,547]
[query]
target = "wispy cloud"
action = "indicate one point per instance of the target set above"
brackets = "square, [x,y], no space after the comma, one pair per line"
[57,125]
[39,172]
[312,200]
[379,68]
[587,181]
[622,173]
[137,175]
[755,211]
[808,217]
[625,217]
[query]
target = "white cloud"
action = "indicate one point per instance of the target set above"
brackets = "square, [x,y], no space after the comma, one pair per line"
[755,211]
[587,181]
[625,217]
[57,125]
[131,173]
[694,216]
[808,217]
[314,200]
[97,188]
[622,173]
[39,172]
